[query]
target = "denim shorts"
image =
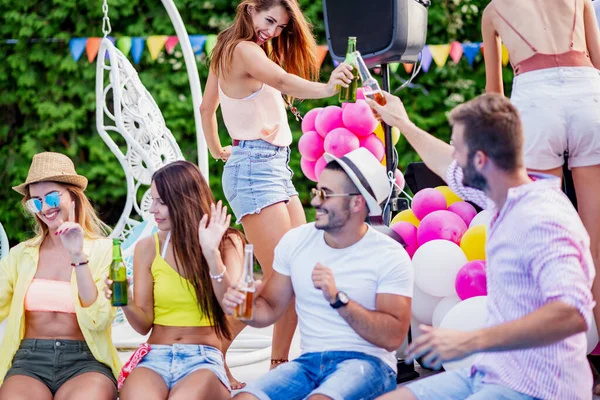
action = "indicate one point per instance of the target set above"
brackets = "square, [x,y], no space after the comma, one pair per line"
[461,384]
[340,375]
[175,362]
[54,362]
[560,112]
[256,176]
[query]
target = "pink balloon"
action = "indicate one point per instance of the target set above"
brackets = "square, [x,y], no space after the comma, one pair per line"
[408,232]
[471,280]
[360,95]
[441,224]
[328,119]
[359,118]
[308,122]
[464,210]
[374,145]
[319,167]
[308,168]
[310,146]
[427,201]
[400,179]
[340,141]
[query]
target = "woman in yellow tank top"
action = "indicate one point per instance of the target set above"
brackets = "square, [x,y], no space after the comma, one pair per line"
[180,273]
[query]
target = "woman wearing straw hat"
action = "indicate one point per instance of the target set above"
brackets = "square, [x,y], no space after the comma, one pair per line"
[57,341]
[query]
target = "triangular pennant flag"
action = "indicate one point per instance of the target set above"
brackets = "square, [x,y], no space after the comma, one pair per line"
[394,67]
[426,59]
[335,64]
[198,42]
[504,55]
[456,51]
[440,53]
[137,48]
[482,49]
[77,46]
[211,41]
[124,44]
[470,51]
[91,48]
[322,51]
[171,43]
[408,67]
[155,45]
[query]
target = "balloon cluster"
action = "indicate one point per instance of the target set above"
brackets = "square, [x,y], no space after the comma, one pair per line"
[445,238]
[339,130]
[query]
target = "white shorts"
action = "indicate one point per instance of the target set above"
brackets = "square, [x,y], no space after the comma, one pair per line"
[560,111]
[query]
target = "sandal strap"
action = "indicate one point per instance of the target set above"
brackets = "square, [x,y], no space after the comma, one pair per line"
[277,361]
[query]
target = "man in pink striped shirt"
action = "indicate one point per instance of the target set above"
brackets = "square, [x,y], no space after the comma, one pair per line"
[539,266]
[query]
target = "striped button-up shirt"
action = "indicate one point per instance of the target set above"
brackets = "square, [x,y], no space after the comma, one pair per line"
[538,251]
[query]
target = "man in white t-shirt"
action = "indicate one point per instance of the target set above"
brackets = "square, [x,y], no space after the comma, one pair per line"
[353,287]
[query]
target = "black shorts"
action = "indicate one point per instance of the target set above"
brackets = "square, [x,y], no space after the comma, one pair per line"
[53,362]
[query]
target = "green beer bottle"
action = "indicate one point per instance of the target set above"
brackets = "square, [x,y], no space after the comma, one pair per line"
[118,274]
[349,94]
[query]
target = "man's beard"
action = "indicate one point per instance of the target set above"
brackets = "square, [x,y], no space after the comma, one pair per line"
[472,178]
[336,219]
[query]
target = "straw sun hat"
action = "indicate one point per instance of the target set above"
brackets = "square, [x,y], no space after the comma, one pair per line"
[52,167]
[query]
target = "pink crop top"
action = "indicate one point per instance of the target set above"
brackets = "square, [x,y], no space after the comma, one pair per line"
[261,115]
[51,296]
[570,58]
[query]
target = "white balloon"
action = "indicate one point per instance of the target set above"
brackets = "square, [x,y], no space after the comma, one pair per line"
[415,333]
[423,305]
[592,337]
[443,308]
[483,218]
[436,264]
[468,315]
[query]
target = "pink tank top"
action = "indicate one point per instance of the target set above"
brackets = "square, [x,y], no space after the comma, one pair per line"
[261,115]
[51,296]
[571,58]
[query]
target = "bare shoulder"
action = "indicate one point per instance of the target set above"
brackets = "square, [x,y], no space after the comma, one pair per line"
[145,249]
[488,12]
[234,243]
[247,48]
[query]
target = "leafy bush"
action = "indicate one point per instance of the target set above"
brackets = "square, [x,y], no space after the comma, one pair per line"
[47,101]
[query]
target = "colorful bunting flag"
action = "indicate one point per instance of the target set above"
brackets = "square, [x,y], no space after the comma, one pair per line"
[322,51]
[439,52]
[171,43]
[426,59]
[124,44]
[137,48]
[211,41]
[504,55]
[408,67]
[198,42]
[77,46]
[470,51]
[394,67]
[155,45]
[91,48]
[456,51]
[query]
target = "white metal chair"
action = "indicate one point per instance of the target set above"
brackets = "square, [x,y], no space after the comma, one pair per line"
[3,242]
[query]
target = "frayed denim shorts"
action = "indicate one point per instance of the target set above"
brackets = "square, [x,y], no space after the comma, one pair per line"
[175,362]
[257,175]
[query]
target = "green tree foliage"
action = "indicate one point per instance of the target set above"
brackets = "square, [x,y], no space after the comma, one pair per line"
[47,101]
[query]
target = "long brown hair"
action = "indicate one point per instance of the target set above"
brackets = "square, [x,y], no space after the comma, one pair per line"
[294,50]
[85,215]
[184,190]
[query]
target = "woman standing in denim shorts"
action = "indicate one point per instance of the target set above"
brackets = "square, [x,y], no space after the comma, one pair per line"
[57,342]
[554,48]
[181,273]
[269,50]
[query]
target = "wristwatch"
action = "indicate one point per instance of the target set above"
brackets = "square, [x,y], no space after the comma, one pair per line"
[341,299]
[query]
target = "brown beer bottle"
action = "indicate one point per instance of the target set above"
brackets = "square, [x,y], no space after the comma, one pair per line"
[246,285]
[370,85]
[348,94]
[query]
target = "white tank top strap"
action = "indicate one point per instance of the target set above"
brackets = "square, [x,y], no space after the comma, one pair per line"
[166,245]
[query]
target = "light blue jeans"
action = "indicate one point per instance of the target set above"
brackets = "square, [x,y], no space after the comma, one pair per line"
[461,384]
[175,362]
[256,176]
[341,375]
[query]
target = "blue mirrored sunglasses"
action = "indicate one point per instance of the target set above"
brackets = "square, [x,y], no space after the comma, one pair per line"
[35,204]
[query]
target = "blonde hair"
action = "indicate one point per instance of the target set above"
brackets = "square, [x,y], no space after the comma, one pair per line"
[85,215]
[295,49]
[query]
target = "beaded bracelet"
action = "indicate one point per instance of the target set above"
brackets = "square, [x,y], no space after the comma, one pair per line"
[277,361]
[219,278]
[80,264]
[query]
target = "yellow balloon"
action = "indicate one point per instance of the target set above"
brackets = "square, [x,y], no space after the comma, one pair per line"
[407,216]
[379,132]
[473,243]
[450,196]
